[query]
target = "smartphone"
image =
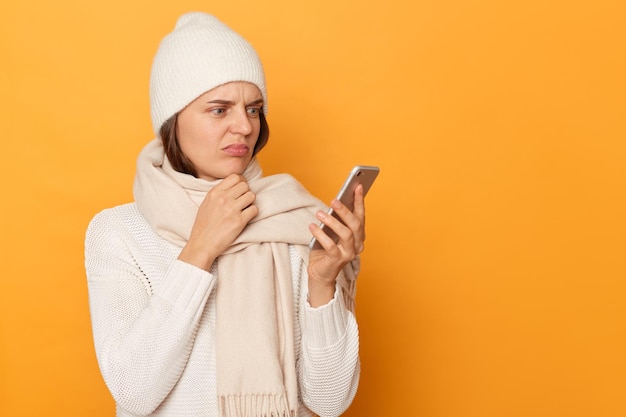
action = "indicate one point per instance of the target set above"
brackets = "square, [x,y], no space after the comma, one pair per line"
[360,174]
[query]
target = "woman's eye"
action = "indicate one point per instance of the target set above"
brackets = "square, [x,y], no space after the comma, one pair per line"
[218,111]
[254,111]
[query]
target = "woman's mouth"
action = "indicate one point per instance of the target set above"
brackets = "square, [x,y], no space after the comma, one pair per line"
[237,149]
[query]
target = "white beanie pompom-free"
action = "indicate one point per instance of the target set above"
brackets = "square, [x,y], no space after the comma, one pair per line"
[201,53]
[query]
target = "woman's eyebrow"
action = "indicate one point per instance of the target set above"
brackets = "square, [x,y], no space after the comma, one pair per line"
[230,103]
[259,101]
[217,101]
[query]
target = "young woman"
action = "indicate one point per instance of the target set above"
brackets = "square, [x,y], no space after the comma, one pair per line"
[205,299]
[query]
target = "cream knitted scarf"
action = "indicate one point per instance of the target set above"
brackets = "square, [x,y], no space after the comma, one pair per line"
[256,369]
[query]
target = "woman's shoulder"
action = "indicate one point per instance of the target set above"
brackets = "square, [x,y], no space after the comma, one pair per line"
[117,215]
[118,221]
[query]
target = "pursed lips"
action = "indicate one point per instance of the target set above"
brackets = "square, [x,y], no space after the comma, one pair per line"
[236,149]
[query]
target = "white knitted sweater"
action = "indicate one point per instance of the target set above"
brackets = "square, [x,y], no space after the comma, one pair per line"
[153,320]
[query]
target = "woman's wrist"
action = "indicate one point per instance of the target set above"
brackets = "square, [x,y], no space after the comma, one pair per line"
[196,256]
[320,293]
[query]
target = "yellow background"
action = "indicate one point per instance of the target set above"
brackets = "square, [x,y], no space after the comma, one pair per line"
[494,275]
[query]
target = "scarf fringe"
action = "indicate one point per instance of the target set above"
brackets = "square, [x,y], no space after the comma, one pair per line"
[255,405]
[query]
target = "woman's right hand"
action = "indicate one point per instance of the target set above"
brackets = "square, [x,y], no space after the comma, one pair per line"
[222,216]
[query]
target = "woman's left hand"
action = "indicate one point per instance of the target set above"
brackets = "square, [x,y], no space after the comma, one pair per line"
[326,263]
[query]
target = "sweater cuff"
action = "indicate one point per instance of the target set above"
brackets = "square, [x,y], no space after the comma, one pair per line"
[325,325]
[186,286]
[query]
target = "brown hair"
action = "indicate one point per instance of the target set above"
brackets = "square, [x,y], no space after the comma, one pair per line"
[179,160]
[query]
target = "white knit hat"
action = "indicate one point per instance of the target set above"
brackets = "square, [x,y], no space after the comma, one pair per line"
[200,54]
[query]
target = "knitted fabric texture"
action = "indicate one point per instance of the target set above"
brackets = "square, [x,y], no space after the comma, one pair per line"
[255,356]
[201,53]
[153,322]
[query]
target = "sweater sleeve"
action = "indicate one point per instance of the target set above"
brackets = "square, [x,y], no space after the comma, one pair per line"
[143,336]
[328,366]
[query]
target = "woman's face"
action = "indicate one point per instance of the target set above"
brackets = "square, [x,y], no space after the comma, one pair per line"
[218,130]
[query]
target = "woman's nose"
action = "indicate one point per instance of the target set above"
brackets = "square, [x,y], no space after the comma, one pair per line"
[241,122]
